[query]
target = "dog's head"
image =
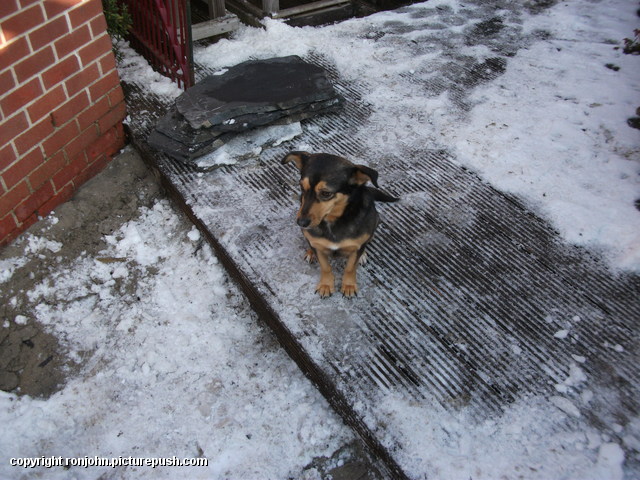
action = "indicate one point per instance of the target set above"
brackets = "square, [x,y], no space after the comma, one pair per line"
[327,181]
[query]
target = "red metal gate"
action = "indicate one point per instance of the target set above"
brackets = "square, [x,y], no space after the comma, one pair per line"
[161,32]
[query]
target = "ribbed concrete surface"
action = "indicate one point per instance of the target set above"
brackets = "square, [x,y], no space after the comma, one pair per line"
[462,296]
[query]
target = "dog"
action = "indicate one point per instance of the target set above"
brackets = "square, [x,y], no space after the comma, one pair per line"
[337,213]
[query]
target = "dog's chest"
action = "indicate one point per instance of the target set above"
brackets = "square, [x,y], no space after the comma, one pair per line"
[346,246]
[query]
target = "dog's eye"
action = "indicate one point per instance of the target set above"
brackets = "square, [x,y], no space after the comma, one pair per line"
[325,195]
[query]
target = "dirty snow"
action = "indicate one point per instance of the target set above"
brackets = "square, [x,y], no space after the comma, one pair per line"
[172,363]
[552,129]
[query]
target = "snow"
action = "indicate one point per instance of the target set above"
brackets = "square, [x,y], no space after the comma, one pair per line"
[133,68]
[552,129]
[523,443]
[34,245]
[169,364]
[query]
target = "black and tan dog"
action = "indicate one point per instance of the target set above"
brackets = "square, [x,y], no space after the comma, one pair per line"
[337,213]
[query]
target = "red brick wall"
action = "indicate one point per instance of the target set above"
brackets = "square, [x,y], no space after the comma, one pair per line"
[61,105]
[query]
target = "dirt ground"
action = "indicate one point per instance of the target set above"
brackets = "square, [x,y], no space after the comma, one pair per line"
[32,361]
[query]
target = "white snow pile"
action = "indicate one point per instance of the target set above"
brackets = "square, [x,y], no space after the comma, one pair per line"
[133,68]
[172,363]
[34,245]
[526,442]
[552,129]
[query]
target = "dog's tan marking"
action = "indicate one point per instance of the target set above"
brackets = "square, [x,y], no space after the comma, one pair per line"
[349,286]
[305,184]
[321,185]
[337,209]
[329,210]
[295,158]
[310,255]
[360,178]
[326,285]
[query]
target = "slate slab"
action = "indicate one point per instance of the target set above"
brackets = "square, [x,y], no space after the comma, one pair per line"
[254,87]
[252,94]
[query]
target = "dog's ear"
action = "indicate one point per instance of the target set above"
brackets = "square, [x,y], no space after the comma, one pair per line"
[362,174]
[299,158]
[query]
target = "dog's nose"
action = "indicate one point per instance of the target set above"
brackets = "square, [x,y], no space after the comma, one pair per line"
[304,222]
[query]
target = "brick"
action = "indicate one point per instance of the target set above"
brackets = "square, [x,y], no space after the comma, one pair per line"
[116,96]
[26,3]
[29,207]
[47,170]
[48,32]
[81,142]
[7,157]
[8,226]
[94,113]
[7,7]
[104,85]
[60,138]
[109,143]
[98,25]
[6,82]
[14,51]
[116,115]
[46,103]
[13,197]
[34,64]
[11,128]
[100,146]
[27,223]
[70,171]
[53,8]
[22,168]
[120,133]
[22,22]
[58,199]
[33,136]
[60,72]
[82,79]
[108,63]
[20,97]
[73,41]
[93,169]
[85,12]
[70,109]
[96,49]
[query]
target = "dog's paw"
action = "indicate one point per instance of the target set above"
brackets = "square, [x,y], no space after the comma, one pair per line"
[364,258]
[310,256]
[349,290]
[325,289]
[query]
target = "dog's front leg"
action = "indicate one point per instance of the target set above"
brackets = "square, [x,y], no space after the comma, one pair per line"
[326,285]
[349,287]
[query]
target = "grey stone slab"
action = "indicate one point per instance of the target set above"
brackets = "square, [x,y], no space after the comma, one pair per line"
[259,86]
[175,137]
[250,95]
[181,151]
[174,125]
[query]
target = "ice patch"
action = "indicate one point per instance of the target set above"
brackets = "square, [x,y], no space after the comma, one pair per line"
[566,405]
[610,462]
[561,334]
[249,145]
